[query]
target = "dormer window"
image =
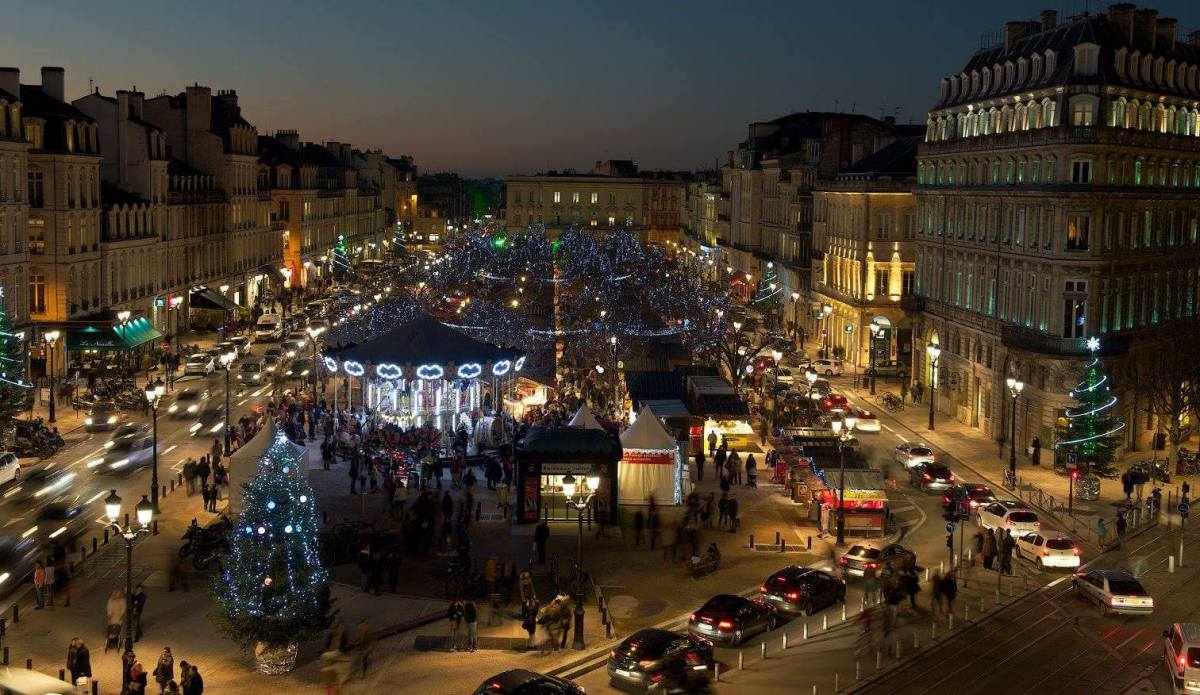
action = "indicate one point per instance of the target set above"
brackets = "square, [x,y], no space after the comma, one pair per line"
[1087,59]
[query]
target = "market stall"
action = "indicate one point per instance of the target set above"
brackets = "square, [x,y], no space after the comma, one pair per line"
[651,465]
[866,501]
[547,454]
[584,419]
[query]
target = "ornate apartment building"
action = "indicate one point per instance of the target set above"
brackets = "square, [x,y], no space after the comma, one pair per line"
[613,195]
[864,223]
[1057,201]
[14,201]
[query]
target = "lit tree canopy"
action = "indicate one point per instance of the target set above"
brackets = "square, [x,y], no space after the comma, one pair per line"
[1091,429]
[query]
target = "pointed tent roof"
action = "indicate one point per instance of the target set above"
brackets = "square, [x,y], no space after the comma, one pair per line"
[584,419]
[424,340]
[647,433]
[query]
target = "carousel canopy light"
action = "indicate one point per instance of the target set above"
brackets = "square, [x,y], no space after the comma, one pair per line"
[353,368]
[501,368]
[331,364]
[519,364]
[429,372]
[470,370]
[389,371]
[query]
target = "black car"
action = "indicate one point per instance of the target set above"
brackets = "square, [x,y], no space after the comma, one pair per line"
[973,494]
[731,619]
[930,476]
[804,590]
[519,681]
[644,656]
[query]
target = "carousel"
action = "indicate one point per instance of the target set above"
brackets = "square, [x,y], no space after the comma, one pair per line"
[424,372]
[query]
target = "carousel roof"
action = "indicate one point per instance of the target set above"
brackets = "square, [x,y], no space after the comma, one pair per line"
[647,433]
[424,340]
[584,418]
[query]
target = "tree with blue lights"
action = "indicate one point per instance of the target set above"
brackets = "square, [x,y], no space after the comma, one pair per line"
[14,389]
[1089,430]
[273,589]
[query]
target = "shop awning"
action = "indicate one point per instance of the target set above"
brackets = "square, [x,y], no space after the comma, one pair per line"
[137,332]
[272,272]
[206,298]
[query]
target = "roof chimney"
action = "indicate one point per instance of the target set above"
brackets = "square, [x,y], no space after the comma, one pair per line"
[289,138]
[1194,38]
[10,81]
[1049,19]
[54,82]
[199,108]
[1167,28]
[1145,28]
[1121,15]
[122,105]
[1015,31]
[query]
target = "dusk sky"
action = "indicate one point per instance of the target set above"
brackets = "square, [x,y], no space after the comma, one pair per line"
[491,88]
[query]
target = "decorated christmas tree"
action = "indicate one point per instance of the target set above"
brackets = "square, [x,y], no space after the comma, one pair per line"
[273,591]
[766,299]
[14,390]
[1089,431]
[341,259]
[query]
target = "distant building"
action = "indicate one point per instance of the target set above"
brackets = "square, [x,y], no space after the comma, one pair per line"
[612,195]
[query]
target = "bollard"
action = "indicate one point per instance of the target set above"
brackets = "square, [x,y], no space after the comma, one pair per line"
[815,689]
[805,630]
[752,541]
[6,656]
[776,538]
[824,622]
[762,651]
[172,485]
[608,631]
[62,674]
[1171,564]
[95,687]
[716,670]
[781,545]
[951,626]
[997,597]
[95,544]
[16,614]
[29,664]
[966,612]
[933,630]
[785,641]
[982,607]
[154,524]
[898,656]
[843,612]
[105,536]
[82,553]
[941,566]
[862,603]
[1010,590]
[741,660]
[163,493]
[837,683]
[857,670]
[927,575]
[878,659]
[809,543]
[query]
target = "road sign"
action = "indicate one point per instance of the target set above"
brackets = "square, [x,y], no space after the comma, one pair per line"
[1184,507]
[1072,459]
[950,527]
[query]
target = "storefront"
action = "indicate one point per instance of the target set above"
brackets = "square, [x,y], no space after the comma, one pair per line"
[547,454]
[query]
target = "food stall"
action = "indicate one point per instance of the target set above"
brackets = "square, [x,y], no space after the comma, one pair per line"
[651,464]
[866,501]
[547,454]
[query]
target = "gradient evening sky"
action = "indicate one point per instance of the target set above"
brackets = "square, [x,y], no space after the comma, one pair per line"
[490,88]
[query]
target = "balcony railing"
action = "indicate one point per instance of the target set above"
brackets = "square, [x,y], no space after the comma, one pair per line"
[1036,341]
[1069,135]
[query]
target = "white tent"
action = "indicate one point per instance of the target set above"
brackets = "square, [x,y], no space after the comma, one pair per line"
[650,464]
[243,463]
[584,419]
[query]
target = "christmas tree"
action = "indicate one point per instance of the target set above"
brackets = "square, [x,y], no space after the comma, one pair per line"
[766,299]
[273,589]
[341,259]
[1089,430]
[14,390]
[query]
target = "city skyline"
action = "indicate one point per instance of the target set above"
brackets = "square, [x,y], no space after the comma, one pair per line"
[671,90]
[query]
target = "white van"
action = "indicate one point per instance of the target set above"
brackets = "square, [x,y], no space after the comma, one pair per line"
[1182,642]
[269,327]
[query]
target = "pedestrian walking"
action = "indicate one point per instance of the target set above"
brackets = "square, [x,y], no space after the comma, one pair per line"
[1036,445]
[189,476]
[700,465]
[1006,552]
[471,617]
[723,509]
[137,679]
[203,470]
[735,467]
[912,586]
[39,584]
[1127,484]
[732,509]
[529,611]
[652,524]
[1101,531]
[989,550]
[541,535]
[1121,527]
[751,472]
[79,660]
[949,590]
[639,523]
[712,442]
[139,607]
[164,671]
[454,616]
[976,547]
[196,683]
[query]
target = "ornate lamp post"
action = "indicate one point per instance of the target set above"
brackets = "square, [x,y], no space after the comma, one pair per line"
[145,512]
[313,333]
[1015,386]
[842,429]
[934,352]
[579,494]
[796,317]
[227,359]
[826,311]
[875,328]
[154,394]
[123,320]
[51,337]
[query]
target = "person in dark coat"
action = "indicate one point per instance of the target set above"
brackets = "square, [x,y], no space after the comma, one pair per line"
[195,685]
[1037,451]
[639,523]
[79,660]
[540,536]
[700,464]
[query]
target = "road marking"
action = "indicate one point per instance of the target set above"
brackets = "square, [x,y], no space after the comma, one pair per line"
[171,448]
[1056,582]
[95,497]
[243,401]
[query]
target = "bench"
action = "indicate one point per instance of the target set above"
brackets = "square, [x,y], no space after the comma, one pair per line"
[705,566]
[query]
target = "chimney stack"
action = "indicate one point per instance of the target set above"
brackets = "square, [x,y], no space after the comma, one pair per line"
[137,101]
[1194,38]
[199,108]
[54,82]
[10,81]
[290,138]
[1121,15]
[1015,31]
[1167,28]
[1049,19]
[122,105]
[729,157]
[1145,26]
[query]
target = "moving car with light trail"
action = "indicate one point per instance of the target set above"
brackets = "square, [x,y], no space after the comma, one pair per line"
[520,681]
[188,403]
[199,364]
[125,455]
[911,454]
[794,590]
[641,658]
[102,417]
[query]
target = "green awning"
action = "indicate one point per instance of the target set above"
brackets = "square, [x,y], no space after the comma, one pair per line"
[111,338]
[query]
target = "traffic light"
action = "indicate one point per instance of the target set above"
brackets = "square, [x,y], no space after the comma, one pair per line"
[949,540]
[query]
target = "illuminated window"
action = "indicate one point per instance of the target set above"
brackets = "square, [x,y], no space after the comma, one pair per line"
[595,198]
[558,196]
[575,197]
[1077,233]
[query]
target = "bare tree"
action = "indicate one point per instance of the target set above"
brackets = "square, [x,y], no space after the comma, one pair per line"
[1166,381]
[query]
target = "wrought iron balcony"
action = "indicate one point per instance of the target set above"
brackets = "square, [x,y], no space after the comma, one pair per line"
[1032,340]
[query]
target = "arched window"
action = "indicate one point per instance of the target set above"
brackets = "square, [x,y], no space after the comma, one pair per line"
[1035,170]
[1116,115]
[1022,124]
[1033,115]
[1144,116]
[1160,119]
[1049,115]
[1131,114]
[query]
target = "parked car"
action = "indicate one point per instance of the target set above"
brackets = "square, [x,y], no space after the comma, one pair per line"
[828,367]
[188,403]
[730,619]
[199,364]
[889,368]
[270,363]
[242,343]
[1009,515]
[102,417]
[797,589]
[1048,551]
[911,454]
[835,401]
[641,658]
[1182,644]
[300,369]
[10,468]
[930,476]
[268,327]
[519,681]
[1114,591]
[251,373]
[867,560]
[292,348]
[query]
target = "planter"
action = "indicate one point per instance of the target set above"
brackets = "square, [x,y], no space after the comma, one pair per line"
[274,659]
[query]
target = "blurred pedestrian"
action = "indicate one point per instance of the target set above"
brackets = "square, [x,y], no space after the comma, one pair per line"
[471,617]
[454,617]
[164,671]
[639,523]
[79,660]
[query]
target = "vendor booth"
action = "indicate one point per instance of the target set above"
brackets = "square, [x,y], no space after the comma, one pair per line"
[651,465]
[426,372]
[865,499]
[724,413]
[547,454]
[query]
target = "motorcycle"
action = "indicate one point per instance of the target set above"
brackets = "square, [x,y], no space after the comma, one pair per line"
[199,539]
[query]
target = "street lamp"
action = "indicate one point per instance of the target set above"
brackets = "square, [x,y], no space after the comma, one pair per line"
[810,375]
[313,333]
[1015,386]
[227,359]
[796,316]
[145,512]
[123,319]
[842,429]
[580,495]
[934,352]
[154,394]
[777,356]
[826,311]
[875,328]
[51,337]
[616,408]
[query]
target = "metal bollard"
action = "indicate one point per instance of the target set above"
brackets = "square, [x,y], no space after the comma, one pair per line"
[843,612]
[163,493]
[997,597]
[155,526]
[741,660]
[62,674]
[16,614]
[898,655]
[951,626]
[762,651]
[857,670]
[95,544]
[806,630]
[1010,590]
[862,603]
[878,659]
[82,553]
[781,545]
[29,664]
[837,683]
[1171,564]
[809,543]
[105,536]
[172,485]
[776,538]
[824,622]
[966,612]
[752,541]
[785,641]
[982,607]
[6,656]
[95,687]
[941,566]
[933,630]
[926,574]
[717,670]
